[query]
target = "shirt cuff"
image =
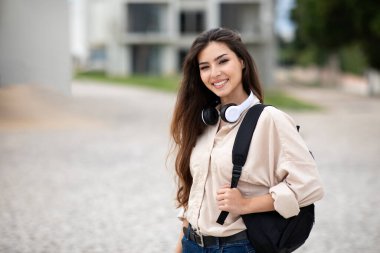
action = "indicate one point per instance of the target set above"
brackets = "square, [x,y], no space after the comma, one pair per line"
[285,202]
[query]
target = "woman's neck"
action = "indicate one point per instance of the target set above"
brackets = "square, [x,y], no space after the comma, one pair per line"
[237,98]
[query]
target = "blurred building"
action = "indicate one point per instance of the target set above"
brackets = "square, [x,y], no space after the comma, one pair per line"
[126,37]
[34,44]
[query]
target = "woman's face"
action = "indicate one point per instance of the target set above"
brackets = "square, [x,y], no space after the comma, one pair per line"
[221,72]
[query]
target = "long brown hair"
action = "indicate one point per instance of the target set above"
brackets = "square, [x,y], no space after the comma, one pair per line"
[193,96]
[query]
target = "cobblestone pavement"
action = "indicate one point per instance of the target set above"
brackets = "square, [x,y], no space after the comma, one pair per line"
[87,173]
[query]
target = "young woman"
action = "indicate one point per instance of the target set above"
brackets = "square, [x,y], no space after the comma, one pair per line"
[279,174]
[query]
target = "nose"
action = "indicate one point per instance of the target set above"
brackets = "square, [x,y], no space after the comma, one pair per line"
[215,71]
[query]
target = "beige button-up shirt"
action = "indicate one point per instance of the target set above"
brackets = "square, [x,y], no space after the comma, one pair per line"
[278,163]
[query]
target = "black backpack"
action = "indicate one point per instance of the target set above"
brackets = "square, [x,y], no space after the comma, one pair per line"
[268,232]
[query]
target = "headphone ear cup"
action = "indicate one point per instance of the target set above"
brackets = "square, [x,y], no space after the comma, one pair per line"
[210,116]
[223,112]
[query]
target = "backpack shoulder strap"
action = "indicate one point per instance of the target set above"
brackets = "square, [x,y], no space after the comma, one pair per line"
[241,147]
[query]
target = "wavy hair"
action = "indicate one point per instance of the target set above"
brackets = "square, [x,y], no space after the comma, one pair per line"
[193,96]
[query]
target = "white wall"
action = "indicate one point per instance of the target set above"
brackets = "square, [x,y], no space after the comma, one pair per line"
[34,45]
[78,30]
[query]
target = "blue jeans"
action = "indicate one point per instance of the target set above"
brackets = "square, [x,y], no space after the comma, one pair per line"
[243,246]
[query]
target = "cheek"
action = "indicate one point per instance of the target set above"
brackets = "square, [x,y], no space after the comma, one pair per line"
[238,72]
[204,77]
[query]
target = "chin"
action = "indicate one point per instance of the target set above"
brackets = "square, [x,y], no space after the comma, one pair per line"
[221,93]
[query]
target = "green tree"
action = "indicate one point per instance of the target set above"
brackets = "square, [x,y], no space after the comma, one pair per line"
[331,25]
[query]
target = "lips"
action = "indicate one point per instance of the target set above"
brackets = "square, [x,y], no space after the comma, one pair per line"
[220,84]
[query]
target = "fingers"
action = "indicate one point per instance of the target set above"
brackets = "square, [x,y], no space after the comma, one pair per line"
[223,192]
[223,189]
[225,205]
[226,198]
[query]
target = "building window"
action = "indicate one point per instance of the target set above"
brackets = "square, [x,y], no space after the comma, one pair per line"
[145,18]
[247,21]
[146,59]
[192,21]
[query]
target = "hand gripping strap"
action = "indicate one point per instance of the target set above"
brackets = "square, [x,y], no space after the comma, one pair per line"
[241,148]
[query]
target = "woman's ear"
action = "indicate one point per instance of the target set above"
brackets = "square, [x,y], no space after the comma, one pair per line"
[242,64]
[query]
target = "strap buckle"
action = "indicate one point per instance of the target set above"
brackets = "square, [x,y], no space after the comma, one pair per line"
[201,242]
[236,173]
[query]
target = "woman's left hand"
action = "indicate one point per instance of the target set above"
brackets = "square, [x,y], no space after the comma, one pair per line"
[230,200]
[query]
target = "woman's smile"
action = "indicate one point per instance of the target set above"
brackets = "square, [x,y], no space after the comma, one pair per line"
[220,84]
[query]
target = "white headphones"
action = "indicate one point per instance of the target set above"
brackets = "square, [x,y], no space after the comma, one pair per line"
[229,113]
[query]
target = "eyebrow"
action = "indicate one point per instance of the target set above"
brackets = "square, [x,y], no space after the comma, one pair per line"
[217,58]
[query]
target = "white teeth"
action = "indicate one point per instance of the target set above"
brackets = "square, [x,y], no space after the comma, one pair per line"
[220,83]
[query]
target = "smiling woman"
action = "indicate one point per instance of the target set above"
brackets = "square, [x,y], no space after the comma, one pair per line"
[221,72]
[219,77]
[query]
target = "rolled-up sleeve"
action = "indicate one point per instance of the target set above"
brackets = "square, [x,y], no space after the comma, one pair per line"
[285,202]
[296,171]
[300,187]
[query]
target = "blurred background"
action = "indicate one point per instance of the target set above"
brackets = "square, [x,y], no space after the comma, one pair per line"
[87,89]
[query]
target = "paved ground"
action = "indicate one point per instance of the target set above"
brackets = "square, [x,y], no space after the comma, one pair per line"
[87,173]
[345,140]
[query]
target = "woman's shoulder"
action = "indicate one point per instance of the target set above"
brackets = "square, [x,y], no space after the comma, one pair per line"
[277,116]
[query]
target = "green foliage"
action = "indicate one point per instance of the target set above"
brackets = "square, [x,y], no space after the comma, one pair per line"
[307,57]
[287,53]
[326,23]
[291,53]
[312,55]
[331,25]
[352,59]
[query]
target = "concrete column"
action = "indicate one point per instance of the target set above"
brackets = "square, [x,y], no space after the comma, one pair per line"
[169,57]
[168,60]
[34,45]
[373,79]
[270,47]
[119,55]
[119,59]
[213,14]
